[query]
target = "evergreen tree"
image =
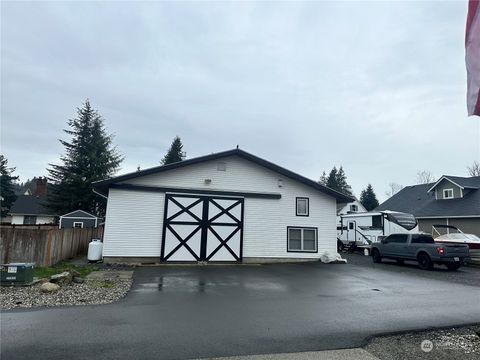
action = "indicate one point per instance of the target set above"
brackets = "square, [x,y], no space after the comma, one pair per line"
[7,186]
[89,156]
[175,153]
[336,180]
[368,198]
[323,179]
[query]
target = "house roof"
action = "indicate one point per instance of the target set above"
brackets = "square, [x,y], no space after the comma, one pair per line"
[463,182]
[421,202]
[30,205]
[102,186]
[79,214]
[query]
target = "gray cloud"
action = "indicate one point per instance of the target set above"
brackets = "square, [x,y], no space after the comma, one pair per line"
[378,87]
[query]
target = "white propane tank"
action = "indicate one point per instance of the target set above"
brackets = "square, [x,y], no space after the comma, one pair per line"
[95,250]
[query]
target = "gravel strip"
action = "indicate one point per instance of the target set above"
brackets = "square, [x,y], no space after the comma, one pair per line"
[88,293]
[449,344]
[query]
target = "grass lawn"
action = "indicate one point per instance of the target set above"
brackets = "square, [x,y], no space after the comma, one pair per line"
[43,272]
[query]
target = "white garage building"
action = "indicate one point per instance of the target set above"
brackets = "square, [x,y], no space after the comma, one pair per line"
[228,206]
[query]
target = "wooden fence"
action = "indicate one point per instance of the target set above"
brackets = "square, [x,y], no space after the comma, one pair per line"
[45,247]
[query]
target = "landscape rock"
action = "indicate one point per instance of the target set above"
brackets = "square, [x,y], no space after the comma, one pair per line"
[78,280]
[61,279]
[74,272]
[49,287]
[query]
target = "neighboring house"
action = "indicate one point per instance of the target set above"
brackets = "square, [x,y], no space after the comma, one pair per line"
[78,219]
[350,208]
[228,206]
[31,209]
[452,200]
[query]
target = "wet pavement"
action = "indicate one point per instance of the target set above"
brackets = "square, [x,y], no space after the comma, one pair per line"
[184,312]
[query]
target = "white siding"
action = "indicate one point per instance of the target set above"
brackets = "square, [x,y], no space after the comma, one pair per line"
[240,175]
[133,224]
[17,219]
[134,218]
[266,221]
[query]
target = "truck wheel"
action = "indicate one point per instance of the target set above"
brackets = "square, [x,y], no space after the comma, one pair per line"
[424,262]
[377,258]
[453,266]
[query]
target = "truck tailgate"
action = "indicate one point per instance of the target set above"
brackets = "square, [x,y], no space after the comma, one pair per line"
[456,250]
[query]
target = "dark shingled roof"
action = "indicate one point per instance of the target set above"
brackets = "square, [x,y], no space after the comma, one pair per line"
[418,201]
[30,205]
[102,186]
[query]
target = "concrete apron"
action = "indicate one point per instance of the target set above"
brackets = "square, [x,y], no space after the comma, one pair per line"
[344,354]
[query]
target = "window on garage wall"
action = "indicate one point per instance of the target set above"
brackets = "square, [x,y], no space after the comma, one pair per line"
[302,206]
[302,239]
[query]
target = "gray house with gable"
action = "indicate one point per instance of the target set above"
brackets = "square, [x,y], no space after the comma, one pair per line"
[452,200]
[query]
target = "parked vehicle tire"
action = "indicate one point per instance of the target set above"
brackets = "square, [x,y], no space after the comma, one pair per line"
[453,266]
[424,261]
[340,246]
[377,258]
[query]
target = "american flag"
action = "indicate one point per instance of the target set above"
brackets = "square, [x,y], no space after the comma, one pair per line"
[472,57]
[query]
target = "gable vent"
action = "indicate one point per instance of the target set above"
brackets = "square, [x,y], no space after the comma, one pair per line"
[221,166]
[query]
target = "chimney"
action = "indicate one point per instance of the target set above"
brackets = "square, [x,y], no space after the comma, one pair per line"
[41,188]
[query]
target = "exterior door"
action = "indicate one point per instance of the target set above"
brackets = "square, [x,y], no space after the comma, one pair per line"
[202,228]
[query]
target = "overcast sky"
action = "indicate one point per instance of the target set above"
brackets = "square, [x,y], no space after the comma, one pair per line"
[377,87]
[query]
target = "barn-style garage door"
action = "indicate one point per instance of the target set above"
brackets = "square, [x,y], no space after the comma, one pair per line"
[202,228]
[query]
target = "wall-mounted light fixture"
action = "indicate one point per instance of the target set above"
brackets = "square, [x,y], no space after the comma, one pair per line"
[280,182]
[207,181]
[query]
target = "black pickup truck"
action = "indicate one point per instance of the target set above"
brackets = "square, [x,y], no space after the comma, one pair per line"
[421,248]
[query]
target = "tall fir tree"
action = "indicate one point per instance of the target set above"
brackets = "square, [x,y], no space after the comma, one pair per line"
[368,198]
[175,153]
[336,180]
[89,156]
[7,186]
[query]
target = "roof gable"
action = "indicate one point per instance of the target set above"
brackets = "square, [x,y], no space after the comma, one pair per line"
[102,186]
[461,182]
[78,214]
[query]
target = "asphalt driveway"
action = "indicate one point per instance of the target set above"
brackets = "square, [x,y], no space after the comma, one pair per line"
[183,312]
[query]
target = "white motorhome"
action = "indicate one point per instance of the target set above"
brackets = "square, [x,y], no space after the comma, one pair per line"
[362,229]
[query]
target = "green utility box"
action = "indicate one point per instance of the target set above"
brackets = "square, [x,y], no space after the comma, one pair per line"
[16,273]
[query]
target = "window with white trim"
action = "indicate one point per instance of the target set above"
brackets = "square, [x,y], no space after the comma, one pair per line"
[78,224]
[301,239]
[448,193]
[302,207]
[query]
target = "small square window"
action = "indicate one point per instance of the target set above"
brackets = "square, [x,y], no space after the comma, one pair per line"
[448,194]
[78,224]
[353,208]
[302,207]
[221,166]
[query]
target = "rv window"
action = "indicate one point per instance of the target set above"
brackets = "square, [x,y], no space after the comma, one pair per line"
[377,221]
[350,225]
